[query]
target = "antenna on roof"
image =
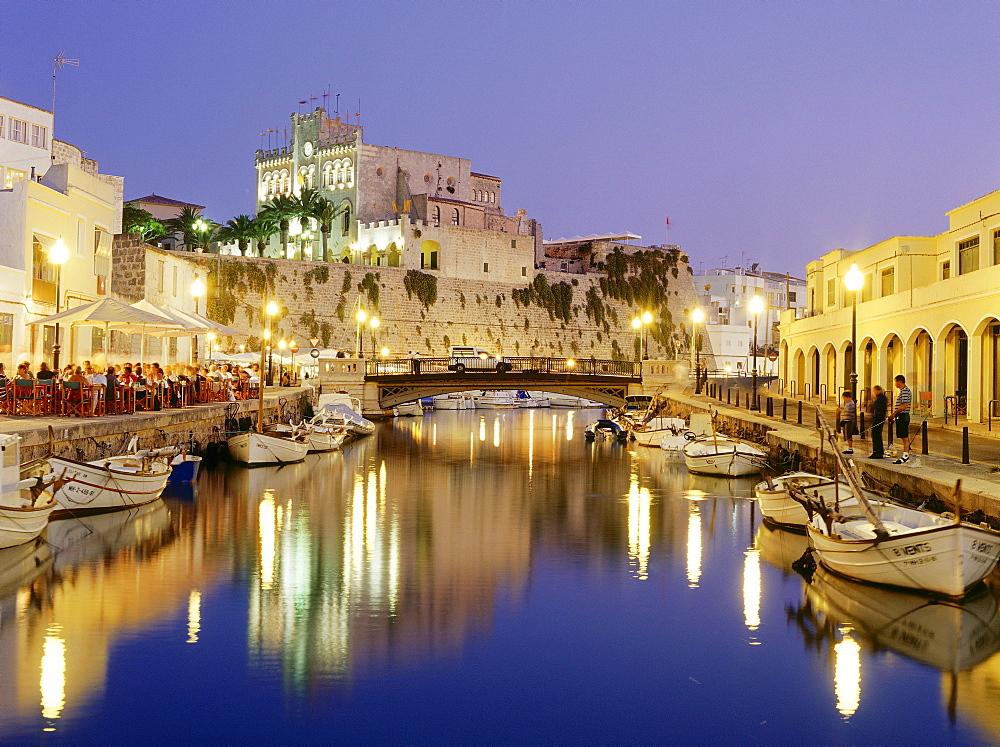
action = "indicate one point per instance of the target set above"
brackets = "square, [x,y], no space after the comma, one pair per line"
[58,63]
[358,112]
[336,107]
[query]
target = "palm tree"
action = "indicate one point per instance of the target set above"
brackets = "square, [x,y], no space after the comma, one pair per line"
[326,213]
[239,229]
[281,209]
[262,230]
[183,224]
[206,233]
[310,204]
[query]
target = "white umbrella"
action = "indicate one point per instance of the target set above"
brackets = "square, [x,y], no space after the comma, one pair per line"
[105,313]
[207,324]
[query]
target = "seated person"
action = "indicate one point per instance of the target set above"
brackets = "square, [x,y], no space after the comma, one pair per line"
[44,373]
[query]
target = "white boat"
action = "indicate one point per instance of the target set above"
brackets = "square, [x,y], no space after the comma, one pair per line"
[319,437]
[562,400]
[25,505]
[495,400]
[342,416]
[718,455]
[449,402]
[108,484]
[654,430]
[674,446]
[778,506]
[255,449]
[408,409]
[918,550]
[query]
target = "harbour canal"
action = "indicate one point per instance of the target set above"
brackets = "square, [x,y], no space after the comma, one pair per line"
[472,576]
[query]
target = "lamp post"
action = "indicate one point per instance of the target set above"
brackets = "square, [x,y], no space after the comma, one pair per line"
[282,344]
[647,319]
[361,316]
[197,291]
[756,306]
[58,256]
[697,317]
[210,337]
[293,348]
[854,280]
[271,311]
[374,323]
[636,324]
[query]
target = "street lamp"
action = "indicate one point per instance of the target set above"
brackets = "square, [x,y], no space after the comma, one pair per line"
[58,256]
[374,324]
[361,316]
[697,317]
[636,324]
[282,344]
[211,344]
[756,306]
[197,291]
[271,310]
[647,319]
[854,280]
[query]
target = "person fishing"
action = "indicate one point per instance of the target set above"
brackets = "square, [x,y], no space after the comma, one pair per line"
[879,410]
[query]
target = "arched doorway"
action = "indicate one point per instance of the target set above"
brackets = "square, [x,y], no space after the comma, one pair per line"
[814,370]
[800,372]
[829,378]
[392,255]
[956,363]
[923,362]
[430,255]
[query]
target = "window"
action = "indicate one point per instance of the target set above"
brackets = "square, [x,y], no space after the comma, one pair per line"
[524,272]
[888,281]
[513,243]
[945,270]
[866,289]
[486,266]
[968,255]
[1,125]
[173,349]
[14,176]
[161,275]
[436,215]
[18,131]
[38,135]
[345,226]
[456,217]
[6,333]
[831,291]
[996,247]
[96,341]
[174,284]
[81,237]
[102,254]
[40,267]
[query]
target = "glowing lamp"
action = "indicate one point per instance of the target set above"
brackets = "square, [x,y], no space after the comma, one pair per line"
[756,305]
[854,279]
[271,308]
[59,253]
[198,287]
[647,318]
[697,316]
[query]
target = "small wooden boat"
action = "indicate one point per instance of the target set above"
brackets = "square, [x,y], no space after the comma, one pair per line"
[605,428]
[495,400]
[185,468]
[110,483]
[899,546]
[719,455]
[255,449]
[408,409]
[450,402]
[319,437]
[674,445]
[652,431]
[779,507]
[25,504]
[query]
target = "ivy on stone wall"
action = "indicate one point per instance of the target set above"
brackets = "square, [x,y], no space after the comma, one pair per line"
[237,279]
[422,285]
[370,287]
[346,287]
[557,299]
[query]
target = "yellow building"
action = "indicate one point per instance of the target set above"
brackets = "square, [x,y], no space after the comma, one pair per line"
[929,309]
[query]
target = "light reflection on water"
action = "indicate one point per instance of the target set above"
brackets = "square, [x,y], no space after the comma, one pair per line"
[440,576]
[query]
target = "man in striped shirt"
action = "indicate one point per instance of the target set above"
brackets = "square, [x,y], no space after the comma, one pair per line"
[901,415]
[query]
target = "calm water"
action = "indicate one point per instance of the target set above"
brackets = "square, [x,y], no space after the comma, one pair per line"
[468,577]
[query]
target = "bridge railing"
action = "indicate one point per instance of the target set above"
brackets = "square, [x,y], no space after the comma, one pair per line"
[513,366]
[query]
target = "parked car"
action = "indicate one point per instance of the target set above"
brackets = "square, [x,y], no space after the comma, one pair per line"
[464,358]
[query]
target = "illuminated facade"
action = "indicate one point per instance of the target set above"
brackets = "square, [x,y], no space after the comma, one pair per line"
[50,194]
[928,310]
[399,208]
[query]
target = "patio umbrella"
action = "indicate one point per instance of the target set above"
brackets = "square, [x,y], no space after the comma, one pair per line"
[208,325]
[105,313]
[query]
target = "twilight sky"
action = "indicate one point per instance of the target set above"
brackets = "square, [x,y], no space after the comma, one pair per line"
[766,131]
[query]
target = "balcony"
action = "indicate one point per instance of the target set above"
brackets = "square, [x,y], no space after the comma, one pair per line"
[43,291]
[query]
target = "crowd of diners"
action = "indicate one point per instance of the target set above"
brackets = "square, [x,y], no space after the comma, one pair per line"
[122,388]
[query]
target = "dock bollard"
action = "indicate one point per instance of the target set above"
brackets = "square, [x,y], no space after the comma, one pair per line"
[923,438]
[770,407]
[729,394]
[784,408]
[800,412]
[861,426]
[965,444]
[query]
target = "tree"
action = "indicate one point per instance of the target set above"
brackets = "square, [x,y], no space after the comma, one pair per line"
[142,222]
[183,224]
[239,229]
[324,212]
[206,233]
[281,210]
[262,231]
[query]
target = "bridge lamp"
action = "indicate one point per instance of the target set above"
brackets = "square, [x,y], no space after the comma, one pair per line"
[697,317]
[570,363]
[854,280]
[756,306]
[385,352]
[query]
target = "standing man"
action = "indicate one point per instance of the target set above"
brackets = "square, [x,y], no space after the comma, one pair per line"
[902,417]
[847,420]
[880,408]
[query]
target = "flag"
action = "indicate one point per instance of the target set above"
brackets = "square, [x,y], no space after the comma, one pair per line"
[305,101]
[668,222]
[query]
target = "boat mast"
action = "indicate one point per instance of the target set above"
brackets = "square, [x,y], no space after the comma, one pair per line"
[261,375]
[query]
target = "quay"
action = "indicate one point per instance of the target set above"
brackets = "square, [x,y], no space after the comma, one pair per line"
[94,437]
[934,473]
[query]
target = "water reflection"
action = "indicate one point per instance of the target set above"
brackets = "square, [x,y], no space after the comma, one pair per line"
[694,545]
[847,673]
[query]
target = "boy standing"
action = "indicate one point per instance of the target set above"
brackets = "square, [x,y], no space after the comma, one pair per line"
[880,408]
[847,420]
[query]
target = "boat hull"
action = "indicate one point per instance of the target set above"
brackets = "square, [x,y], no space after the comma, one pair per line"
[263,448]
[780,508]
[723,457]
[409,408]
[185,469]
[947,559]
[19,525]
[106,484]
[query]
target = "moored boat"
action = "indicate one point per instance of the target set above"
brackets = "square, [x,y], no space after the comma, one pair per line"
[341,416]
[778,506]
[450,402]
[185,468]
[408,409]
[719,455]
[109,483]
[253,448]
[652,431]
[25,505]
[496,399]
[319,437]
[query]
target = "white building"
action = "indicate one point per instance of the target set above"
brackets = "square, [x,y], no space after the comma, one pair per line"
[725,293]
[50,193]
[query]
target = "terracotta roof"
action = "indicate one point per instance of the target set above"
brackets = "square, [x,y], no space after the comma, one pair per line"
[157,200]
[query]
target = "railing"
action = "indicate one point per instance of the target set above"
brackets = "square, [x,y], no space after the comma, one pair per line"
[506,366]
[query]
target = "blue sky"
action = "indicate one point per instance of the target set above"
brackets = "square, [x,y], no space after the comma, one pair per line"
[766,131]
